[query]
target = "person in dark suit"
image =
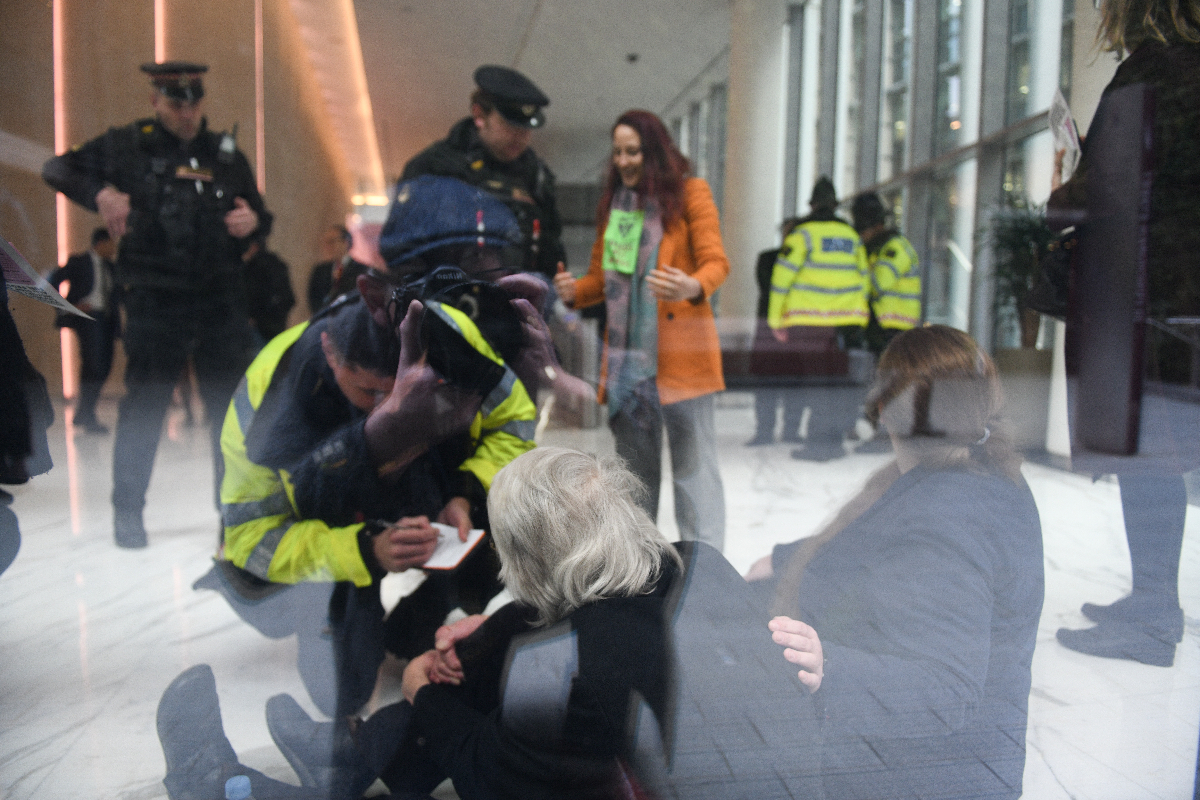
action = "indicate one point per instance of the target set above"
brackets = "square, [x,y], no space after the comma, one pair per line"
[93,291]
[333,278]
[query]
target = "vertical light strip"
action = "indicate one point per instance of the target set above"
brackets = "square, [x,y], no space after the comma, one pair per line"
[66,345]
[260,113]
[60,123]
[160,30]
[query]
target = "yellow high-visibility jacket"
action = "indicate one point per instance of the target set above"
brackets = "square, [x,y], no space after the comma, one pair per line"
[265,532]
[896,284]
[820,277]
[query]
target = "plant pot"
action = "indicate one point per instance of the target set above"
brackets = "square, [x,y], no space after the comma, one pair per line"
[1031,323]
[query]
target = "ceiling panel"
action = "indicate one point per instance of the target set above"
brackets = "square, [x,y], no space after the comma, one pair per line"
[419,57]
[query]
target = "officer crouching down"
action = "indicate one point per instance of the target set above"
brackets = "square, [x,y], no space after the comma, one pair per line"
[393,407]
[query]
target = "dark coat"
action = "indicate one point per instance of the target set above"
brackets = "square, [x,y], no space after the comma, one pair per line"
[927,607]
[1168,440]
[525,185]
[176,238]
[269,295]
[547,713]
[1173,71]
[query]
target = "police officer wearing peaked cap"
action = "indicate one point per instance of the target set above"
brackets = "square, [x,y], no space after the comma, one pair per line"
[516,97]
[182,200]
[491,150]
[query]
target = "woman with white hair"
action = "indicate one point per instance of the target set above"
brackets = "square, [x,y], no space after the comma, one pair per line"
[549,683]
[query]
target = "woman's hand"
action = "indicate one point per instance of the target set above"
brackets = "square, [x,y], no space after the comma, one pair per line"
[760,570]
[672,285]
[457,513]
[446,668]
[802,647]
[564,284]
[416,674]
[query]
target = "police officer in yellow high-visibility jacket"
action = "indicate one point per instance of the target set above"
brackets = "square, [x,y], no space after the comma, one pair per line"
[820,277]
[895,272]
[307,498]
[281,519]
[819,290]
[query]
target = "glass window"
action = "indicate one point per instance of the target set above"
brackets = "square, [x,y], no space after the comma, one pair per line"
[850,92]
[695,139]
[897,69]
[1040,33]
[715,158]
[951,246]
[1066,49]
[948,120]
[1019,66]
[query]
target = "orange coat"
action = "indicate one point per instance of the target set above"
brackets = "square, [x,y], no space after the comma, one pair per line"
[689,353]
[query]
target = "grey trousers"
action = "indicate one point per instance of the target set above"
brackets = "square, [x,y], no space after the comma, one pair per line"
[691,436]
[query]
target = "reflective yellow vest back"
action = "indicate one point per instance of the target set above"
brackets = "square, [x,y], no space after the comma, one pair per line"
[896,285]
[820,277]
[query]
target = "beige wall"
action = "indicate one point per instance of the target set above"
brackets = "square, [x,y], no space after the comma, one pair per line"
[104,41]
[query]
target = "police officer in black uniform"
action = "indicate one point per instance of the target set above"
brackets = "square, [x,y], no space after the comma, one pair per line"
[182,201]
[490,149]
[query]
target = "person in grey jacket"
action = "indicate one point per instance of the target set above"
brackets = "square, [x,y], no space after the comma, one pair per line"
[913,615]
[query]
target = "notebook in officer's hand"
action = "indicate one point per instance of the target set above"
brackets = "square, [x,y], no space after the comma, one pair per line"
[450,549]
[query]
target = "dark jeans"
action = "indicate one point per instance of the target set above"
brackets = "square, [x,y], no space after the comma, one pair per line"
[96,355]
[162,331]
[766,400]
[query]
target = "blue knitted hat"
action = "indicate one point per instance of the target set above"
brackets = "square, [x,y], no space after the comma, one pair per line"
[432,211]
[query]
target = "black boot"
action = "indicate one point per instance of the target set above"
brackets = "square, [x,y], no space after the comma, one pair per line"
[193,739]
[323,754]
[128,529]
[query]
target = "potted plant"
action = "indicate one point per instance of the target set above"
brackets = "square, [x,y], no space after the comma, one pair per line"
[1019,236]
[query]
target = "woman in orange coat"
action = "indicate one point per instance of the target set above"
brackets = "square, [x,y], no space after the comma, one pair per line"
[656,261]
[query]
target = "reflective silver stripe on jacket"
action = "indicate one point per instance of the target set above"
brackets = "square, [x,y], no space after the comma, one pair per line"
[520,428]
[259,562]
[243,407]
[498,395]
[234,514]
[503,389]
[808,287]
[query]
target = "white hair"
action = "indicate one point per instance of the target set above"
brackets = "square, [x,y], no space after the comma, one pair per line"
[569,531]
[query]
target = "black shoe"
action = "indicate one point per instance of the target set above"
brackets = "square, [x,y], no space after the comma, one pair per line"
[128,529]
[1120,640]
[1153,612]
[819,453]
[760,439]
[791,438]
[193,740]
[92,425]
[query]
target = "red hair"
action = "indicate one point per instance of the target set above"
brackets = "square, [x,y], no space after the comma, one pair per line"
[664,168]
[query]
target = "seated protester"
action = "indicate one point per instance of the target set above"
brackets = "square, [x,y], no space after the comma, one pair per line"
[549,706]
[342,444]
[913,615]
[541,700]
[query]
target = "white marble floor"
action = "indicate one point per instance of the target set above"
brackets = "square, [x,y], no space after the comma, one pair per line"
[90,635]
